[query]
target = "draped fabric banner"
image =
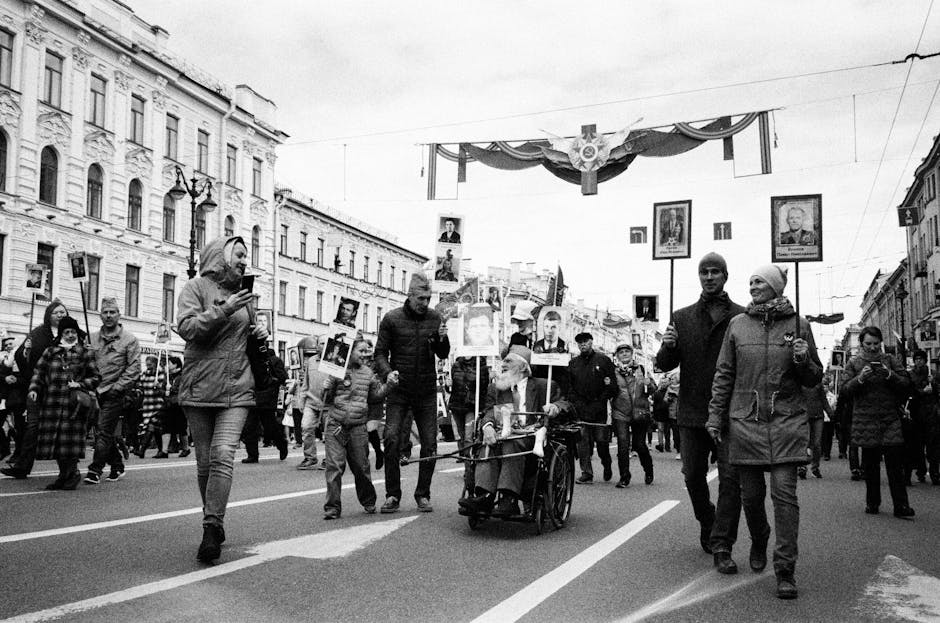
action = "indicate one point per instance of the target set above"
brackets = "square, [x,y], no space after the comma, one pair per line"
[591,158]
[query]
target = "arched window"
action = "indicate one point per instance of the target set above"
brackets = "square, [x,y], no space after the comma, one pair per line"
[3,161]
[94,192]
[169,218]
[48,175]
[135,199]
[229,225]
[255,246]
[200,227]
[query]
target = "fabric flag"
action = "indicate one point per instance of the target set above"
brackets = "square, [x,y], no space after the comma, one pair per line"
[559,288]
[826,318]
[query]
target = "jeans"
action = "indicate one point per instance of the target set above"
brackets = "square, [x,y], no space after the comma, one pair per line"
[398,431]
[106,451]
[462,418]
[591,435]
[815,440]
[632,436]
[266,419]
[347,444]
[914,460]
[308,429]
[697,447]
[894,466]
[26,456]
[215,431]
[828,432]
[786,511]
[854,464]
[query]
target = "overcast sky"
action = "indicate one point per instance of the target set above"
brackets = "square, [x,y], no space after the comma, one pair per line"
[359,85]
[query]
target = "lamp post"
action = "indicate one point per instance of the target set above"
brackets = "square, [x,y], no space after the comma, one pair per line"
[194,188]
[901,294]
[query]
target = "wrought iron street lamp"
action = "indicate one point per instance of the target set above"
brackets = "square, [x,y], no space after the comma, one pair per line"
[194,188]
[901,294]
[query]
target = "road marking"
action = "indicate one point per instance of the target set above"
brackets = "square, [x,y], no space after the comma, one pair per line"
[325,545]
[114,523]
[451,470]
[13,495]
[711,475]
[521,603]
[901,591]
[708,585]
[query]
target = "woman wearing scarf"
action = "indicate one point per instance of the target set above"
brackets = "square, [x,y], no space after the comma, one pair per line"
[216,386]
[767,357]
[65,366]
[878,384]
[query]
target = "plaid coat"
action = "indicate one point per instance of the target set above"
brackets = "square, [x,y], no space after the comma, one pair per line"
[153,387]
[60,436]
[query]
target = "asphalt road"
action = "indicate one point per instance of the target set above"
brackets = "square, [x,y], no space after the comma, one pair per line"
[126,551]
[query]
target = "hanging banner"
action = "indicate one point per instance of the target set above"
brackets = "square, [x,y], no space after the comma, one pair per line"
[672,223]
[796,228]
[550,349]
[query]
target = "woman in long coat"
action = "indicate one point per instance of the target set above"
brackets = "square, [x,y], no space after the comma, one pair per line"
[878,385]
[64,366]
[767,358]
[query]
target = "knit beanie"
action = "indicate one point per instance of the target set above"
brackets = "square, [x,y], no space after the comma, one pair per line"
[715,260]
[419,284]
[67,323]
[774,275]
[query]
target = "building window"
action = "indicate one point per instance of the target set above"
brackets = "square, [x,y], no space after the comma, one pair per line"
[202,152]
[137,120]
[403,276]
[135,198]
[169,297]
[378,316]
[3,159]
[255,246]
[282,298]
[319,306]
[231,165]
[94,281]
[365,316]
[6,58]
[301,301]
[256,176]
[378,272]
[352,263]
[229,225]
[169,218]
[303,246]
[95,191]
[200,227]
[172,136]
[282,350]
[45,255]
[52,92]
[96,101]
[284,230]
[321,247]
[365,268]
[3,240]
[131,290]
[391,277]
[48,175]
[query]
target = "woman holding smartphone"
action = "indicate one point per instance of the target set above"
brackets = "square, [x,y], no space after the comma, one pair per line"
[878,385]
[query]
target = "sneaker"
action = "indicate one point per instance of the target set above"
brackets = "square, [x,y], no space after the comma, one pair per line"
[115,475]
[330,513]
[184,453]
[786,586]
[801,472]
[817,473]
[308,464]
[92,478]
[250,459]
[624,483]
[14,472]
[679,457]
[390,506]
[608,473]
[322,465]
[424,505]
[584,479]
[370,509]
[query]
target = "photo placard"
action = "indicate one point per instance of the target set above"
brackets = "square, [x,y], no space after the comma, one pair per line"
[672,223]
[36,277]
[550,349]
[477,334]
[796,228]
[78,262]
[837,360]
[335,357]
[347,314]
[646,307]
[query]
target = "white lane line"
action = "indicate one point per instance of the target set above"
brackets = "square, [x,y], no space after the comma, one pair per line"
[13,495]
[711,475]
[114,523]
[521,603]
[171,463]
[451,470]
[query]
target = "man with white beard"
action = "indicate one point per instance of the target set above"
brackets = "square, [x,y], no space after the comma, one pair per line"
[513,390]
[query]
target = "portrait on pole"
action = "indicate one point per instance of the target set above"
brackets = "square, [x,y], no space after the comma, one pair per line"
[476,330]
[347,312]
[796,228]
[671,230]
[551,349]
[449,228]
[646,307]
[79,265]
[36,277]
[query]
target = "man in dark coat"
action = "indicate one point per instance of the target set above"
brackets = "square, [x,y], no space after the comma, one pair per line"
[692,341]
[923,409]
[551,343]
[593,382]
[409,339]
[263,415]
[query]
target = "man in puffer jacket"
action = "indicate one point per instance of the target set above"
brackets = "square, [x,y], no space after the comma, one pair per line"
[409,339]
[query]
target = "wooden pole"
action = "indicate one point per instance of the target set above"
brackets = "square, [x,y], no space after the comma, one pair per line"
[81,290]
[548,388]
[672,276]
[32,306]
[796,298]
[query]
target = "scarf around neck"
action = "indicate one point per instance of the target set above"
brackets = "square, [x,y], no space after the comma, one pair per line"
[774,309]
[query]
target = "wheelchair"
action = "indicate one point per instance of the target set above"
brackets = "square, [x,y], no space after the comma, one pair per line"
[548,486]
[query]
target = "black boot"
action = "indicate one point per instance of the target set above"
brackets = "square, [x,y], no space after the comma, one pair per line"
[377,446]
[211,547]
[143,443]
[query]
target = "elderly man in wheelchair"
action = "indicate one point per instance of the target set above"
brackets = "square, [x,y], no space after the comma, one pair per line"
[513,402]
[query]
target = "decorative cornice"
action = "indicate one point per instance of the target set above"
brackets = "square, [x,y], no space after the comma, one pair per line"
[10,110]
[158,98]
[271,157]
[99,146]
[54,128]
[80,56]
[122,81]
[35,32]
[139,162]
[83,38]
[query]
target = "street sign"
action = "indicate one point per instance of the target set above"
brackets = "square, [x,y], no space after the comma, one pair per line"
[908,216]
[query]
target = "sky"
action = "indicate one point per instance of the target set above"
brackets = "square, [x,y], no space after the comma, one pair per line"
[361,85]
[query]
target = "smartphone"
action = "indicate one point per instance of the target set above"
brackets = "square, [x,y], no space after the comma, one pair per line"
[876,364]
[248,283]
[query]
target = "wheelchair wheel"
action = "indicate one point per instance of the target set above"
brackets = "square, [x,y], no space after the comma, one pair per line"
[559,485]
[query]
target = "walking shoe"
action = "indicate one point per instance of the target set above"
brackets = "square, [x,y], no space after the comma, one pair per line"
[758,557]
[507,506]
[856,474]
[424,505]
[649,478]
[608,473]
[308,464]
[826,458]
[584,479]
[56,484]
[786,586]
[71,482]
[801,471]
[921,477]
[115,475]
[817,473]
[679,457]
[211,547]
[659,447]
[282,450]
[390,506]
[724,564]
[91,478]
[14,472]
[321,465]
[624,483]
[330,513]
[161,455]
[904,512]
[250,459]
[184,453]
[871,510]
[369,510]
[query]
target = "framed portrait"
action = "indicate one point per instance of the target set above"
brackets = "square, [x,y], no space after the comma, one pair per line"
[837,360]
[927,334]
[637,235]
[78,262]
[646,307]
[447,264]
[476,331]
[550,347]
[347,314]
[264,318]
[293,358]
[335,357]
[796,228]
[672,223]
[722,230]
[36,277]
[163,333]
[449,229]
[636,339]
[494,297]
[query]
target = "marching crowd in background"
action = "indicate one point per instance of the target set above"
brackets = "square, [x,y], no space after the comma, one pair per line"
[752,397]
